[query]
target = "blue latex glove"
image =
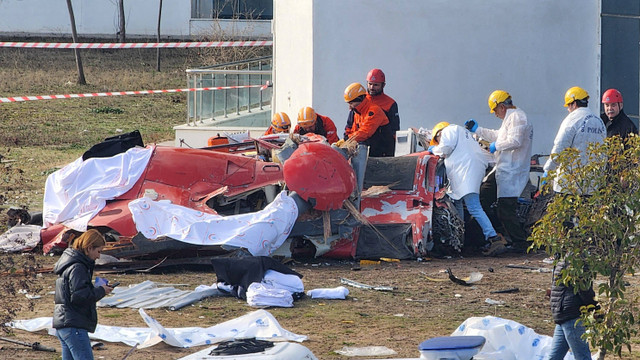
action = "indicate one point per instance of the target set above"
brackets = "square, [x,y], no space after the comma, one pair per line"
[492,147]
[471,125]
[430,148]
[544,176]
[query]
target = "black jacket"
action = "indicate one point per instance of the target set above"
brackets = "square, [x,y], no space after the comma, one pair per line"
[76,296]
[565,303]
[240,273]
[621,125]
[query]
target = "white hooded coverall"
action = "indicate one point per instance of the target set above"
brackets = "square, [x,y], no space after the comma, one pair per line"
[513,152]
[464,159]
[577,130]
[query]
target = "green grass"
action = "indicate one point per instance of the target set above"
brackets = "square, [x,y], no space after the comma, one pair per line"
[39,137]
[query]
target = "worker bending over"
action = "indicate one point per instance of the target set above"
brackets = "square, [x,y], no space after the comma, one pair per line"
[311,122]
[466,164]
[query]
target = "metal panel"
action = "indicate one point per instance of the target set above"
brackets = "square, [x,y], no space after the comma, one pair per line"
[620,62]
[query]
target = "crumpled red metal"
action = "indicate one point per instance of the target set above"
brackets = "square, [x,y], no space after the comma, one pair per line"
[320,175]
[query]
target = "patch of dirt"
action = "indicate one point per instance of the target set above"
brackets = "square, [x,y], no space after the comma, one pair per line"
[417,310]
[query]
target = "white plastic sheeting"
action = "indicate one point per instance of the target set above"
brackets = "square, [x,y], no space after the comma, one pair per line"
[261,294]
[148,295]
[260,233]
[506,339]
[20,238]
[77,192]
[259,324]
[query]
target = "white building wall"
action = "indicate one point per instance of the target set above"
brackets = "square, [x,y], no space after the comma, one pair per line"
[294,56]
[442,58]
[94,17]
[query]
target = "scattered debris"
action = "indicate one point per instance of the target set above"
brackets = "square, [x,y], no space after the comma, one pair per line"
[35,346]
[525,267]
[365,286]
[494,302]
[416,300]
[369,262]
[474,277]
[130,351]
[365,351]
[505,291]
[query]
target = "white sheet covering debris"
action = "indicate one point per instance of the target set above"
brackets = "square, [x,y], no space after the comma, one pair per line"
[148,295]
[261,294]
[289,282]
[260,232]
[77,192]
[506,339]
[20,238]
[259,324]
[338,293]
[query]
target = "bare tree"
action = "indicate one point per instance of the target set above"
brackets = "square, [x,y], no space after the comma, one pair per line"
[74,36]
[122,37]
[158,37]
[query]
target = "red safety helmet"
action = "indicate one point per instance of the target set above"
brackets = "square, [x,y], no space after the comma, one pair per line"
[611,96]
[375,76]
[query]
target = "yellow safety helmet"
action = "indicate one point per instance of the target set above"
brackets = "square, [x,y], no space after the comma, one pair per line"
[353,91]
[575,93]
[497,97]
[436,129]
[280,122]
[307,117]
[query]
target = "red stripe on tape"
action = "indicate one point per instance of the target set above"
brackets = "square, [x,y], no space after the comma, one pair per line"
[136,92]
[135,45]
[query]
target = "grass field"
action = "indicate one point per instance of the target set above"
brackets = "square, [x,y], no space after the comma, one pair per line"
[38,137]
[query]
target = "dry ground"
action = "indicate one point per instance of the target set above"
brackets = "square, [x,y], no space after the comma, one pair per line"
[418,309]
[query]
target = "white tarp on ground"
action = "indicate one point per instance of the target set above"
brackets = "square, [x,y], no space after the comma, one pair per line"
[77,192]
[506,339]
[20,238]
[259,324]
[260,233]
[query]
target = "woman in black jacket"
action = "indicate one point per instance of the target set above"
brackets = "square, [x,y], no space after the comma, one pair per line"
[565,309]
[75,315]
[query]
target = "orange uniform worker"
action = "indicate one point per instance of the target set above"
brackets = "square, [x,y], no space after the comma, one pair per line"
[370,124]
[280,123]
[308,123]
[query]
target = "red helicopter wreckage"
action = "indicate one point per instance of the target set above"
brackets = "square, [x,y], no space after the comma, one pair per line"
[338,202]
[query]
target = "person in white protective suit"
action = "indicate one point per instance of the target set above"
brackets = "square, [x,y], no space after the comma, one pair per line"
[511,146]
[577,130]
[466,164]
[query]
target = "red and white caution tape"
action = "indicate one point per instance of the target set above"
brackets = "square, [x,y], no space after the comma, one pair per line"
[43,45]
[118,93]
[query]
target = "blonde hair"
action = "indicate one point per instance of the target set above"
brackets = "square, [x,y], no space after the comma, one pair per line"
[88,240]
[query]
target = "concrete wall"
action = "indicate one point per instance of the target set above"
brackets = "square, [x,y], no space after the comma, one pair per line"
[442,58]
[94,17]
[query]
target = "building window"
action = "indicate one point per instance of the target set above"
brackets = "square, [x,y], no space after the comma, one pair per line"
[232,9]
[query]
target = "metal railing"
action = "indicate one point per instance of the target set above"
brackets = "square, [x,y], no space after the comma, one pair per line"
[217,105]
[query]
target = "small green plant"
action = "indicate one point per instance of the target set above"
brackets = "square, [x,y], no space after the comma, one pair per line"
[107,110]
[595,226]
